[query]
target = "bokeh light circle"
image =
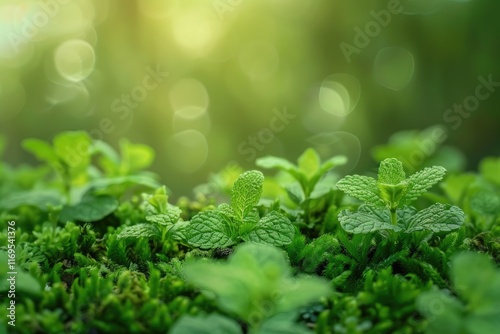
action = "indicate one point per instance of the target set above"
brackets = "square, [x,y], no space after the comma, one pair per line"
[188,151]
[74,60]
[394,67]
[339,94]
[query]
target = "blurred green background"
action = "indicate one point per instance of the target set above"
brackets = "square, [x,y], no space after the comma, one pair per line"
[209,82]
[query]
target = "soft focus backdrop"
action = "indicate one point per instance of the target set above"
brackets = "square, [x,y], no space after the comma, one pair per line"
[211,82]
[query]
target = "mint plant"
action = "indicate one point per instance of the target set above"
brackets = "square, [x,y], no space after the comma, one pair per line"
[387,201]
[312,180]
[239,221]
[162,219]
[256,285]
[476,282]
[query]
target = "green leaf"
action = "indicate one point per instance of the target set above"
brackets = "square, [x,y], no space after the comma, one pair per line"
[255,276]
[333,162]
[246,193]
[274,229]
[421,181]
[309,163]
[485,202]
[210,229]
[135,156]
[210,324]
[283,323]
[490,169]
[477,280]
[275,162]
[139,231]
[24,281]
[92,208]
[41,199]
[226,209]
[456,186]
[125,181]
[366,220]
[391,172]
[73,148]
[41,149]
[443,311]
[438,217]
[169,218]
[295,193]
[363,188]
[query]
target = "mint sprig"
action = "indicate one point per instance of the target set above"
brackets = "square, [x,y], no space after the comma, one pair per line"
[387,199]
[240,221]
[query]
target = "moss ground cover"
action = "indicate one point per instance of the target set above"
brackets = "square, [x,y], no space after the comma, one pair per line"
[97,245]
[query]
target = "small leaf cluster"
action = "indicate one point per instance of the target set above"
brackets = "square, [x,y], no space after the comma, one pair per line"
[239,221]
[386,202]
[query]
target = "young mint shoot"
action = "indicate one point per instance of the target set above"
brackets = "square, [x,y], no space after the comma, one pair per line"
[387,201]
[240,221]
[309,174]
[162,219]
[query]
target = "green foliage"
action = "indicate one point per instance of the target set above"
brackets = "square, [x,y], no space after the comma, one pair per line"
[312,182]
[239,221]
[477,310]
[162,219]
[255,284]
[419,149]
[393,191]
[93,255]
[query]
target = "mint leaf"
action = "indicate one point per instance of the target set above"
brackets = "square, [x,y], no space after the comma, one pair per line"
[490,169]
[476,280]
[366,220]
[90,209]
[41,199]
[139,231]
[226,209]
[135,156]
[421,181]
[73,148]
[210,229]
[309,163]
[253,276]
[274,229]
[275,162]
[210,324]
[246,193]
[41,149]
[170,217]
[391,172]
[438,217]
[363,188]
[333,162]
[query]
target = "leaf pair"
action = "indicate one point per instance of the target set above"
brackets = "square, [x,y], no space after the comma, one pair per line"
[240,221]
[392,191]
[436,218]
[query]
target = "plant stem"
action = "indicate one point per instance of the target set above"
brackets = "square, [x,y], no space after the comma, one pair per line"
[394,217]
